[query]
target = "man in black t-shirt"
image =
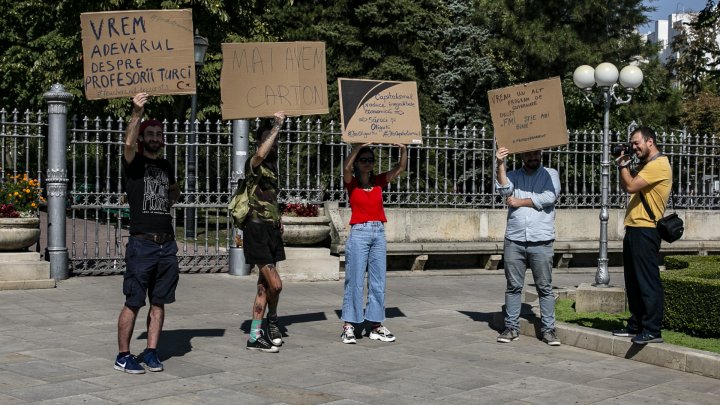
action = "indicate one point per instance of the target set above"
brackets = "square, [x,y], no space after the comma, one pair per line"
[151,253]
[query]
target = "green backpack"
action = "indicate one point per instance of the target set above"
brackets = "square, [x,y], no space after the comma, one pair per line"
[239,205]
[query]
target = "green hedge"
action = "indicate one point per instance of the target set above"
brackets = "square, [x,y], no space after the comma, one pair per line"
[692,295]
[683,262]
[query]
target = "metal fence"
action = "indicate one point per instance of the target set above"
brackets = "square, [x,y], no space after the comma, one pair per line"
[453,168]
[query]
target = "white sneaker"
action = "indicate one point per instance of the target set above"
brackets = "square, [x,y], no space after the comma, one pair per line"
[348,335]
[383,334]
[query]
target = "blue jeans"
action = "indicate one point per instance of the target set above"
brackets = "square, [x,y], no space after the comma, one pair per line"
[365,249]
[518,256]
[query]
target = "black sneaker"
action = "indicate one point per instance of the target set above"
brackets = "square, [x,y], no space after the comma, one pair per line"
[550,338]
[273,332]
[262,344]
[508,336]
[645,338]
[625,332]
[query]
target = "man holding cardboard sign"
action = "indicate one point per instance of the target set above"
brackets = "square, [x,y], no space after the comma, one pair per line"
[531,193]
[151,255]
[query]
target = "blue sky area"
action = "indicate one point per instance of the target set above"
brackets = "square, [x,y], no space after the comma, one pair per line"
[667,7]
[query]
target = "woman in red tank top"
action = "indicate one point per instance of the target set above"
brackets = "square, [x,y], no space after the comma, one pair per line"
[366,248]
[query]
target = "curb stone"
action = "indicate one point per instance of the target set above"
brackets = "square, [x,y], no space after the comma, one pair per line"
[663,354]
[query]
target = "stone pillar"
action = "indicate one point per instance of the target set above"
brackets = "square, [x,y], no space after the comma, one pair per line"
[56,180]
[240,132]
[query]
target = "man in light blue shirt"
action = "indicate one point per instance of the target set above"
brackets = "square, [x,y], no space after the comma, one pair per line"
[531,193]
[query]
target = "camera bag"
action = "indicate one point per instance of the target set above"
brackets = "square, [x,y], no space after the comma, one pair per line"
[670,227]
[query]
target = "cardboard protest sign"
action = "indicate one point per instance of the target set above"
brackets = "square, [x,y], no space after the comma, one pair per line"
[379,111]
[128,52]
[529,116]
[261,78]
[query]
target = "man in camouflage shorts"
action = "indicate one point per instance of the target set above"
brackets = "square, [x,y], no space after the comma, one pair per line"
[262,234]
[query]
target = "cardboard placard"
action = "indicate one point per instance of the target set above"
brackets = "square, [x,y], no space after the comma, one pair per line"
[128,52]
[379,111]
[529,116]
[261,78]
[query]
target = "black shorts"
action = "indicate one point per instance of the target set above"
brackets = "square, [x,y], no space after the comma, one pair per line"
[151,270]
[262,244]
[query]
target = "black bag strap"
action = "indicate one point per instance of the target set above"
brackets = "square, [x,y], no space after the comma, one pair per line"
[645,203]
[647,206]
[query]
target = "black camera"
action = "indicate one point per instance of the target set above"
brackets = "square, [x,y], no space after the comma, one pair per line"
[621,149]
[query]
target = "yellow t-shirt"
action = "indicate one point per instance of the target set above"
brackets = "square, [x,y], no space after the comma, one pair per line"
[658,175]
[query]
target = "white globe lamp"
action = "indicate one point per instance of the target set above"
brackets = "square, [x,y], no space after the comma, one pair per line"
[584,77]
[631,77]
[606,74]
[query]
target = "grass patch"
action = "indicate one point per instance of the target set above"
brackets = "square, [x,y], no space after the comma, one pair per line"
[565,312]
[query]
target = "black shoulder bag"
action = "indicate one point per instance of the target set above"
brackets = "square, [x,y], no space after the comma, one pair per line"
[671,227]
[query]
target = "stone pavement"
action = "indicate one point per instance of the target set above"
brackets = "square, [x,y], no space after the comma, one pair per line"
[57,347]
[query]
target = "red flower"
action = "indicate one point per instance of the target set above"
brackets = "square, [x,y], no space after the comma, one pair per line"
[301,210]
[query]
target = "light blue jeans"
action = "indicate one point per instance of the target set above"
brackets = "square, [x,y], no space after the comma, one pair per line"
[365,249]
[538,256]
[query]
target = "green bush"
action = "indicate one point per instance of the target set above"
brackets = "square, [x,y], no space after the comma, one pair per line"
[692,295]
[683,262]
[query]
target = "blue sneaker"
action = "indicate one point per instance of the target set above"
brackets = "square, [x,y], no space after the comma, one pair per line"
[151,361]
[128,364]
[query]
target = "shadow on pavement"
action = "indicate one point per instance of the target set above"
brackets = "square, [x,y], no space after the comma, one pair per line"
[391,312]
[287,320]
[175,343]
[496,320]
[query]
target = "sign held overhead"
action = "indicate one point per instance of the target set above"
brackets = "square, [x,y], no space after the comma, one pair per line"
[379,111]
[261,78]
[529,116]
[128,52]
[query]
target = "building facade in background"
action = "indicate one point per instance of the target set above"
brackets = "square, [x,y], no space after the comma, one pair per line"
[666,31]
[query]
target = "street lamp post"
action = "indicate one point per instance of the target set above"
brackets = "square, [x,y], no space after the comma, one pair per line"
[605,76]
[201,45]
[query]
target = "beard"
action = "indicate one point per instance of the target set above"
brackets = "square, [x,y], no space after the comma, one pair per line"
[532,164]
[152,147]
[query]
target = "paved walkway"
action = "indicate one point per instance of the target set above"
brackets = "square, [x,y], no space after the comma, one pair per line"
[57,347]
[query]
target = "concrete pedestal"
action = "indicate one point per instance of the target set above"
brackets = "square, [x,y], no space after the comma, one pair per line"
[309,264]
[237,263]
[24,271]
[600,299]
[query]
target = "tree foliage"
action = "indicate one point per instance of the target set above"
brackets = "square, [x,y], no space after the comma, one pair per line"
[657,103]
[696,52]
[694,68]
[41,45]
[702,114]
[537,39]
[467,71]
[376,39]
[456,50]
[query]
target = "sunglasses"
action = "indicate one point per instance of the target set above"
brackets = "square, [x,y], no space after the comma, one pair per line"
[366,160]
